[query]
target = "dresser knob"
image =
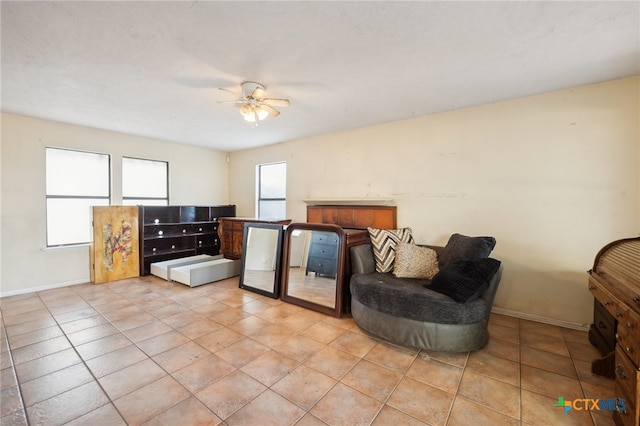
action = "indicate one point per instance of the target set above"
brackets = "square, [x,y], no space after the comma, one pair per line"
[636,300]
[173,247]
[184,231]
[618,314]
[620,372]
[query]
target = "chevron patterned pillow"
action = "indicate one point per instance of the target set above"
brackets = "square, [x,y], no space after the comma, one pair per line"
[384,245]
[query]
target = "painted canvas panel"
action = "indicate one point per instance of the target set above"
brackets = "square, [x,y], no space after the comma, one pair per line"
[115,251]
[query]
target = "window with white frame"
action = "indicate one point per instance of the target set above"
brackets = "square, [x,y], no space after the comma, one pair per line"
[145,182]
[75,181]
[272,190]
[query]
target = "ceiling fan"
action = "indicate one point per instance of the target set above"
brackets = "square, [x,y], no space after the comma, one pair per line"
[254,106]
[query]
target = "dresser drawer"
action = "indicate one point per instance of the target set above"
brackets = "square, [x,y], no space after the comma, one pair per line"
[608,300]
[626,373]
[627,416]
[631,324]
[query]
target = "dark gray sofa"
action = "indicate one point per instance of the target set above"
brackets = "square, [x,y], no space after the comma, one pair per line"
[404,311]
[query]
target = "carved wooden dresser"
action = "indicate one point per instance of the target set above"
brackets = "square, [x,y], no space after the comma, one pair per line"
[615,283]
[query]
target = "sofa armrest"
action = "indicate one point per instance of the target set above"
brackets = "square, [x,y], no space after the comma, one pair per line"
[362,260]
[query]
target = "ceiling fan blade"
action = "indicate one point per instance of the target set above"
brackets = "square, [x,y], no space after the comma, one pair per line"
[228,90]
[236,101]
[272,111]
[276,102]
[258,93]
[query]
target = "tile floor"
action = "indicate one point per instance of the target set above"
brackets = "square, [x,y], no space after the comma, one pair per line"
[145,351]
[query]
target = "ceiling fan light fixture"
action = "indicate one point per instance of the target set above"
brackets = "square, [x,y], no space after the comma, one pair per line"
[253,113]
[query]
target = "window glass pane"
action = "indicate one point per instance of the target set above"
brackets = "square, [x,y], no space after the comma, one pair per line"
[272,209]
[144,178]
[69,219]
[273,180]
[77,173]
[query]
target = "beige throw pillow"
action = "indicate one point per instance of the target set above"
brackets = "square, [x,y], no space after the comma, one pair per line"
[413,261]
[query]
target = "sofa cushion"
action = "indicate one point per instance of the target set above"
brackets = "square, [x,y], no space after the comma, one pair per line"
[409,298]
[384,243]
[461,247]
[413,261]
[465,280]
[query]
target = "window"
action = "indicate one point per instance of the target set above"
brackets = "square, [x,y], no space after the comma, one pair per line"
[272,190]
[75,181]
[145,182]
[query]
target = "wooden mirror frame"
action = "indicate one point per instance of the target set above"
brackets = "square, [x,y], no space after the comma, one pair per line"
[337,309]
[278,258]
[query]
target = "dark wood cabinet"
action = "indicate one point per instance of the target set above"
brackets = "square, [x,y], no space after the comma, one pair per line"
[231,231]
[170,232]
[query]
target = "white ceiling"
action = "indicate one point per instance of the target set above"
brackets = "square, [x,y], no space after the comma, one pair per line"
[153,68]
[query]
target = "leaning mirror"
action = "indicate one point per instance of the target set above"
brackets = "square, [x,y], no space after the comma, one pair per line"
[312,267]
[261,255]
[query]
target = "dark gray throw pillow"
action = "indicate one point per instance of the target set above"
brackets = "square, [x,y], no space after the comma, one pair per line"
[465,280]
[461,247]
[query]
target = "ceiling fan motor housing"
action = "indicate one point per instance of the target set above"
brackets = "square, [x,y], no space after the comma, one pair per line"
[249,88]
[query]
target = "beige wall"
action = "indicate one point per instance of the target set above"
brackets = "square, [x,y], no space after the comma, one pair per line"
[197,176]
[553,177]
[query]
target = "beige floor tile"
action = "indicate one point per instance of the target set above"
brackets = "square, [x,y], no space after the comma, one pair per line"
[129,379]
[99,347]
[249,325]
[541,410]
[47,364]
[203,373]
[45,387]
[150,400]
[466,412]
[116,360]
[90,334]
[421,401]
[229,316]
[502,349]
[162,342]
[183,319]
[304,386]
[390,416]
[354,343]
[491,393]
[147,331]
[548,361]
[10,401]
[508,334]
[539,328]
[300,348]
[25,327]
[436,373]
[396,358]
[550,384]
[40,349]
[372,380]
[229,394]
[273,335]
[310,420]
[298,322]
[267,409]
[190,411]
[199,328]
[181,356]
[330,409]
[242,352]
[504,320]
[498,368]
[270,367]
[544,343]
[8,378]
[455,359]
[67,406]
[20,340]
[332,362]
[219,339]
[583,351]
[324,333]
[105,415]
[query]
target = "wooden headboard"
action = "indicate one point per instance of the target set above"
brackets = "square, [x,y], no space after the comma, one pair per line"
[355,217]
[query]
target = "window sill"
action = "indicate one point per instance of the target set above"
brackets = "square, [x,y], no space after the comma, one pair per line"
[69,247]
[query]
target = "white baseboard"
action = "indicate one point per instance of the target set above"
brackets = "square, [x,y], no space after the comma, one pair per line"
[43,287]
[544,320]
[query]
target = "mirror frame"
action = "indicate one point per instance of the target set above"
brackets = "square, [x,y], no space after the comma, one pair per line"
[276,279]
[337,309]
